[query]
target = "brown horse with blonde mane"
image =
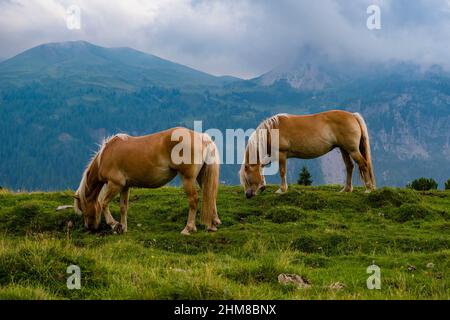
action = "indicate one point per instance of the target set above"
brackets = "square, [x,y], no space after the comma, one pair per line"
[150,162]
[307,137]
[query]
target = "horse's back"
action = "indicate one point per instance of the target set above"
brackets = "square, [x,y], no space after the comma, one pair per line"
[311,136]
[316,118]
[142,161]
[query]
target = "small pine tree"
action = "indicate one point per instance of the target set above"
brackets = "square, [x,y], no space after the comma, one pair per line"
[447,185]
[304,177]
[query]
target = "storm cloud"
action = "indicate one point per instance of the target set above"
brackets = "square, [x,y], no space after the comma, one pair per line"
[242,38]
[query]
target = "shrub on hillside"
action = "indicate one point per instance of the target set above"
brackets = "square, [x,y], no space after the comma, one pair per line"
[4,190]
[423,184]
[447,185]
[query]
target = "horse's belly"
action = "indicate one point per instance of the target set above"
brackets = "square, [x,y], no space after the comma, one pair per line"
[309,152]
[154,178]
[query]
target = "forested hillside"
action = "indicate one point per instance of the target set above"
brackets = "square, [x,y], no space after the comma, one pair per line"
[58,101]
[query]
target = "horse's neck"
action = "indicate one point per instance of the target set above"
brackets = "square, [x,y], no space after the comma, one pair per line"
[92,182]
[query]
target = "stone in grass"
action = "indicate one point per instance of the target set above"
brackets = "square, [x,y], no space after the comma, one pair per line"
[293,279]
[430,265]
[336,286]
[59,208]
[411,267]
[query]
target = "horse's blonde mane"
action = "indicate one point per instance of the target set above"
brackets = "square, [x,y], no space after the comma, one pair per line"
[270,123]
[210,153]
[258,139]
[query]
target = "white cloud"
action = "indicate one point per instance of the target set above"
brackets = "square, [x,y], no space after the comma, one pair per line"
[243,38]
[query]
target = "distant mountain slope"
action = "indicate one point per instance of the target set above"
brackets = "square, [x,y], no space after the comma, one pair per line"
[309,70]
[57,101]
[85,63]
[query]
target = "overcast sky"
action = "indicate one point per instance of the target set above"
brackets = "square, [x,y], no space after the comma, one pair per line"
[242,38]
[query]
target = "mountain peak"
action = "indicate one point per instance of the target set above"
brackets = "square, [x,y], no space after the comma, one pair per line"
[124,67]
[310,69]
[67,44]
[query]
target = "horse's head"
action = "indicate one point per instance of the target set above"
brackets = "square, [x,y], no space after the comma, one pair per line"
[90,210]
[251,173]
[252,179]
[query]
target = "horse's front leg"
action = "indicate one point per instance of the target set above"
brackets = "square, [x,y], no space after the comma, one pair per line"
[124,195]
[109,218]
[108,192]
[191,192]
[282,162]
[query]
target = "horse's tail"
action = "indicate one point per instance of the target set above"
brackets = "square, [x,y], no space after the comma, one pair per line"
[364,148]
[209,182]
[90,185]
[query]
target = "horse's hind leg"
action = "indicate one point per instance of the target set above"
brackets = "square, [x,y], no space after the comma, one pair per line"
[349,168]
[191,192]
[124,195]
[216,219]
[363,169]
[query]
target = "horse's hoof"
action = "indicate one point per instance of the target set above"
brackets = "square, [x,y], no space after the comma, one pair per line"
[279,191]
[212,229]
[217,221]
[118,228]
[185,232]
[346,190]
[368,191]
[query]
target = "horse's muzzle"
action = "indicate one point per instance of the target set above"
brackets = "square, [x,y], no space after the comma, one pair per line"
[249,193]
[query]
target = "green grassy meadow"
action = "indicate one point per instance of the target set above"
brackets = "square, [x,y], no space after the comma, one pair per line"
[324,236]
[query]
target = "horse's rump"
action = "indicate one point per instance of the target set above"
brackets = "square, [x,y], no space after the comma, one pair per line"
[364,148]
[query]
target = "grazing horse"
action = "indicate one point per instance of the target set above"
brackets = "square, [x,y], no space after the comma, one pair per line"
[308,137]
[150,162]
